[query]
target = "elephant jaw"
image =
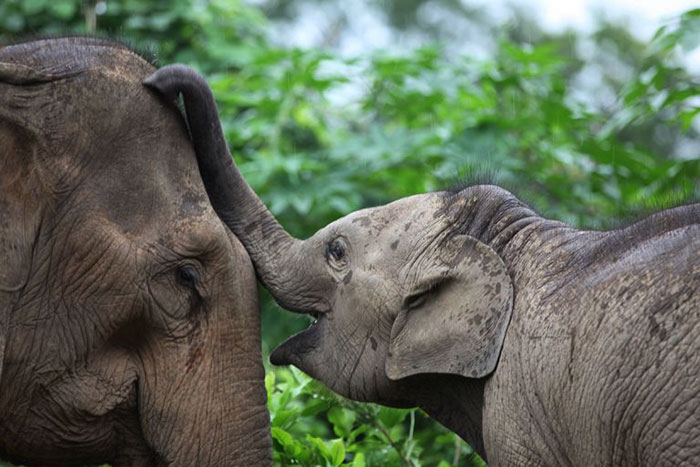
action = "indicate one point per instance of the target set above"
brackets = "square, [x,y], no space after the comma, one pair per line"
[296,349]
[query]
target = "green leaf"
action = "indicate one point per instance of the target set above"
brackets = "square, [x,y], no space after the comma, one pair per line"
[269,383]
[337,452]
[289,445]
[687,117]
[392,417]
[284,438]
[320,446]
[341,419]
[313,407]
[281,418]
[359,460]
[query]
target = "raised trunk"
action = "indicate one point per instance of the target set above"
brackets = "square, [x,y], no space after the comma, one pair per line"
[276,255]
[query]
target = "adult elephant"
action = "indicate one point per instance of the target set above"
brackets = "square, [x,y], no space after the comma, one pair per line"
[129,321]
[598,333]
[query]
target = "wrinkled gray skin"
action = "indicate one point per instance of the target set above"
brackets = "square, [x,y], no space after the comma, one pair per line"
[600,361]
[129,321]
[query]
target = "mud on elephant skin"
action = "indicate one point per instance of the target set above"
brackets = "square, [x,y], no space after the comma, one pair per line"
[538,343]
[129,320]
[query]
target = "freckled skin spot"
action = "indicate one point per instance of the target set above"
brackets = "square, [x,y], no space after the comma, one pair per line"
[364,221]
[394,245]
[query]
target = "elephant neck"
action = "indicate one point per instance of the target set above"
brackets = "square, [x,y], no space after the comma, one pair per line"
[456,402]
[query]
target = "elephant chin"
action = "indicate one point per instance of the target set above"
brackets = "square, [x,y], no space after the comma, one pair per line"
[297,349]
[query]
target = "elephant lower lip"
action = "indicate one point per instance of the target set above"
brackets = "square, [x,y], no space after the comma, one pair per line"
[279,357]
[292,351]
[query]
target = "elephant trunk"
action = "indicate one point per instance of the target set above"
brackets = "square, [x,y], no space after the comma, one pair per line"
[277,256]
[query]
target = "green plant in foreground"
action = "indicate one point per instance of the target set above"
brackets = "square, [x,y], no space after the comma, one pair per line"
[313,426]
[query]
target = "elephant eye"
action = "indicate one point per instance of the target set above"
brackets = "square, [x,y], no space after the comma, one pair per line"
[187,276]
[418,299]
[335,251]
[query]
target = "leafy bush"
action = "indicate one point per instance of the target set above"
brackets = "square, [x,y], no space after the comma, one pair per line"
[313,426]
[319,136]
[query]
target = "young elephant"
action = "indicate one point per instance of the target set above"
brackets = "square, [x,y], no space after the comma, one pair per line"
[598,333]
[129,321]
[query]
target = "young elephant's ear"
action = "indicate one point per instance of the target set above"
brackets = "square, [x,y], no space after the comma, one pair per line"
[459,326]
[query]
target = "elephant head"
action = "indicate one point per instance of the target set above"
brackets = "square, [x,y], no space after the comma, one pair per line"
[407,293]
[129,322]
[396,291]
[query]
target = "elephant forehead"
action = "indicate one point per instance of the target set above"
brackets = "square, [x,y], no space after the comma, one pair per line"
[407,216]
[151,203]
[396,238]
[146,178]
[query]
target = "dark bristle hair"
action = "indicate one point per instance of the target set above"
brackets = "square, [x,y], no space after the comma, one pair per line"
[485,175]
[146,52]
[658,204]
[471,176]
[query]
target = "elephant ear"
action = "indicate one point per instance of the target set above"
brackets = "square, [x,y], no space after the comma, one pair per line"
[20,190]
[459,326]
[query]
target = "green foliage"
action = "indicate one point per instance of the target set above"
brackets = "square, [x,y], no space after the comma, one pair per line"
[318,136]
[313,426]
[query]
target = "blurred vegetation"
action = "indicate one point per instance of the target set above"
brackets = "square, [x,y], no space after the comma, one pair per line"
[590,138]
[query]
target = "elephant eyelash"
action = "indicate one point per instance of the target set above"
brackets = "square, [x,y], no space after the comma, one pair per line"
[336,253]
[189,277]
[415,300]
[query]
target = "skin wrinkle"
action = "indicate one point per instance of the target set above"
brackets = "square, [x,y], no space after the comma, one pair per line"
[354,355]
[94,267]
[644,427]
[621,435]
[357,360]
[409,273]
[556,448]
[645,406]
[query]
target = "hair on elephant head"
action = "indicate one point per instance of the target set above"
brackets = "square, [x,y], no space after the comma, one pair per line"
[538,343]
[129,321]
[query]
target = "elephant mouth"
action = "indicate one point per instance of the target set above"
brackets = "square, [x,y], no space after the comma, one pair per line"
[293,350]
